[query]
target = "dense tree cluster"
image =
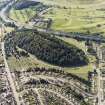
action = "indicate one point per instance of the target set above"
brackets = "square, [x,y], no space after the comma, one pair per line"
[49,49]
[25,4]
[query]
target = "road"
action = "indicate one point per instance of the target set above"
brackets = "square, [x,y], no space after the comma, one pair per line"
[10,76]
[73,35]
[4,12]
[39,97]
[59,95]
[99,87]
[71,83]
[99,78]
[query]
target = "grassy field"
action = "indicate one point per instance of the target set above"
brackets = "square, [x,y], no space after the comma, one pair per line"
[22,16]
[74,3]
[76,17]
[80,71]
[25,63]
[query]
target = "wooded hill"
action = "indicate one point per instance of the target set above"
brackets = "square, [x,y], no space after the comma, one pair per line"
[49,48]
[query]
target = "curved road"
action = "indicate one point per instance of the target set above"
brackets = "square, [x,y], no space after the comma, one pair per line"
[3,12]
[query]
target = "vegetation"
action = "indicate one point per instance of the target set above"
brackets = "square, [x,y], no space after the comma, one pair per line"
[23,15]
[25,4]
[50,49]
[66,15]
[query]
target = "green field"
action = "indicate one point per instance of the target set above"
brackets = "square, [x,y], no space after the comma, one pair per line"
[77,17]
[22,16]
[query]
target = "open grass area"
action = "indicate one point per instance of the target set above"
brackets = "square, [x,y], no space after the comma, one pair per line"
[25,63]
[22,16]
[74,42]
[80,71]
[72,18]
[77,19]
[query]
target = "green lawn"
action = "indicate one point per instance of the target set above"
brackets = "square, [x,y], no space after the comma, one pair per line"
[80,71]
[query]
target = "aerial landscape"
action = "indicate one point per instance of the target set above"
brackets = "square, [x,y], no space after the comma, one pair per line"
[52,52]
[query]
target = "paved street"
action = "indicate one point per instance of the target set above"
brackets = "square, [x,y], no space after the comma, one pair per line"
[10,76]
